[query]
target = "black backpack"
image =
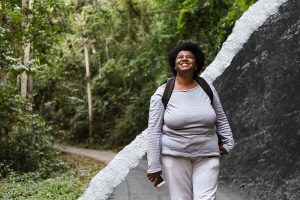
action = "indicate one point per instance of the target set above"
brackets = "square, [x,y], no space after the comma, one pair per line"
[169,89]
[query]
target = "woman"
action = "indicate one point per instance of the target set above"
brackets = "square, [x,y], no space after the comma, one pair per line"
[183,136]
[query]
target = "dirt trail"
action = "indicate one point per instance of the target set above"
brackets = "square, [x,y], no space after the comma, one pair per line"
[135,186]
[104,156]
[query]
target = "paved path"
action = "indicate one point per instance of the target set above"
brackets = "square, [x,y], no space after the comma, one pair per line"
[136,186]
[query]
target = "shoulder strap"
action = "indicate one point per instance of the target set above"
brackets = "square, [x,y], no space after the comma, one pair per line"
[170,85]
[205,87]
[210,94]
[168,91]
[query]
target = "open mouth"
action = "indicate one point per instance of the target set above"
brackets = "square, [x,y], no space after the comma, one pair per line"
[185,64]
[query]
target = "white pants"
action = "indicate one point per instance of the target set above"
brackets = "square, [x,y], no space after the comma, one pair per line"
[191,179]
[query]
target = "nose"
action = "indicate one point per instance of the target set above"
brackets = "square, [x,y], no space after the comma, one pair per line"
[184,59]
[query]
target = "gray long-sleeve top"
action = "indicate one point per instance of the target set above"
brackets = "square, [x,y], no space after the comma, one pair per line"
[188,126]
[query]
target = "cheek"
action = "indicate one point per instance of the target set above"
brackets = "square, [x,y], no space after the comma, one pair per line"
[195,64]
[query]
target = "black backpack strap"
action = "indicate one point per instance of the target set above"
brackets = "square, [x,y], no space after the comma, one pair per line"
[168,91]
[210,94]
[205,87]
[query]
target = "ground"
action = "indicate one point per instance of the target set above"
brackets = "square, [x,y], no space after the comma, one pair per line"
[136,186]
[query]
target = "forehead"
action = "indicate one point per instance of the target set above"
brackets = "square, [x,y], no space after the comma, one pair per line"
[185,52]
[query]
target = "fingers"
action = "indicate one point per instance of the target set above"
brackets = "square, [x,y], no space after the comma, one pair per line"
[222,150]
[153,176]
[155,182]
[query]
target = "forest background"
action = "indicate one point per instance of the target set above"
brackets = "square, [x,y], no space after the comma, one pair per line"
[126,41]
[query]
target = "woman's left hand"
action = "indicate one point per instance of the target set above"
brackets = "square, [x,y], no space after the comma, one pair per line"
[154,176]
[222,150]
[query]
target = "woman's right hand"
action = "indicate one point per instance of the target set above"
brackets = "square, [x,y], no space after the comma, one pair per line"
[154,176]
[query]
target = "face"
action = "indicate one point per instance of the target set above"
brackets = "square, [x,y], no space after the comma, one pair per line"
[185,62]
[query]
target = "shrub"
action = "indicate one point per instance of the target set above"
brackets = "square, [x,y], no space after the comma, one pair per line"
[25,140]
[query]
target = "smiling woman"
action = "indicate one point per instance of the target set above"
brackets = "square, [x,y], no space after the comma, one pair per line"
[184,133]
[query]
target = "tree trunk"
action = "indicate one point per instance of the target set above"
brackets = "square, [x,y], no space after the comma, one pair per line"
[130,20]
[24,76]
[88,89]
[106,48]
[25,80]
[100,68]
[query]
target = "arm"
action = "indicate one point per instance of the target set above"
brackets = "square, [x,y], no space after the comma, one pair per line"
[222,124]
[156,113]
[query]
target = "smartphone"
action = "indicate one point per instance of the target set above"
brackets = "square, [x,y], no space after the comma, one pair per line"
[159,182]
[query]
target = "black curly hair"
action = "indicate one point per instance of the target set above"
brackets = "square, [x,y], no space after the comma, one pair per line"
[187,46]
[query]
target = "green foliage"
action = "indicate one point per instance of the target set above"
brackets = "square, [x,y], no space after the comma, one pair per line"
[57,96]
[123,91]
[49,20]
[25,139]
[7,61]
[68,183]
[11,23]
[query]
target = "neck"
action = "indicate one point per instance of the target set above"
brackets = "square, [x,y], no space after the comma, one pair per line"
[185,79]
[183,82]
